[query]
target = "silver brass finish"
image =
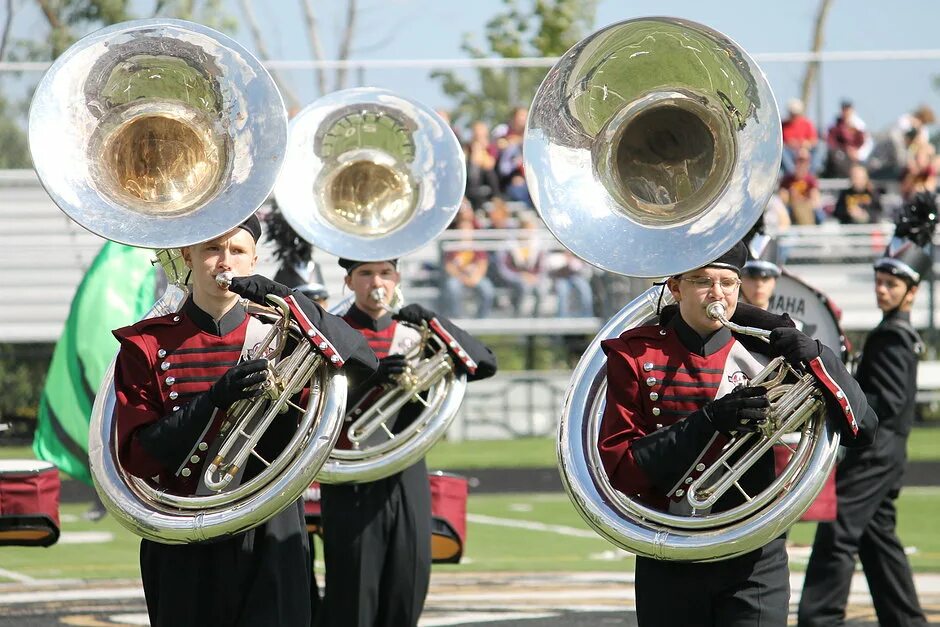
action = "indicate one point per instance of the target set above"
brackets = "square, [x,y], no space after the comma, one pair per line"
[370,175]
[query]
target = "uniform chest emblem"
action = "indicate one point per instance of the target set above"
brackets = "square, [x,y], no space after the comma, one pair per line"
[737,378]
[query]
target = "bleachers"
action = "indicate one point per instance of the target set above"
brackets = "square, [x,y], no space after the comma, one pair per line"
[44,255]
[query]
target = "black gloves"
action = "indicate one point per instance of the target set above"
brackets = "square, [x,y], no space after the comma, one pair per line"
[743,409]
[414,314]
[235,384]
[794,346]
[256,287]
[389,367]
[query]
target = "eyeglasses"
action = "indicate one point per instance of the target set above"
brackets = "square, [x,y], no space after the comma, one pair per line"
[704,283]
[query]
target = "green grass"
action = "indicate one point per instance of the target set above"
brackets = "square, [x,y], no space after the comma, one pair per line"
[923,445]
[491,545]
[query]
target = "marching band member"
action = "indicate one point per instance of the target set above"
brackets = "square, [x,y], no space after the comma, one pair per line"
[377,535]
[760,271]
[175,377]
[676,391]
[868,481]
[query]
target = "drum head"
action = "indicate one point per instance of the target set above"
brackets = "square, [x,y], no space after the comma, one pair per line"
[810,309]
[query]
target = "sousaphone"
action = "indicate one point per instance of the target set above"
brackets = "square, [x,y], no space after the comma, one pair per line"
[371,175]
[652,147]
[161,134]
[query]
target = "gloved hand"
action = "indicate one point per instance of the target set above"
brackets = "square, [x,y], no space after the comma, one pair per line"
[744,409]
[235,384]
[414,314]
[388,367]
[256,287]
[794,346]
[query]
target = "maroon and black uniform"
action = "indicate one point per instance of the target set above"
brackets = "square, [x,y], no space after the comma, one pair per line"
[377,535]
[167,428]
[654,439]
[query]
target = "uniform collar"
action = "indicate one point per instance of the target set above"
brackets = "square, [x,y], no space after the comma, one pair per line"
[366,321]
[894,314]
[226,324]
[697,344]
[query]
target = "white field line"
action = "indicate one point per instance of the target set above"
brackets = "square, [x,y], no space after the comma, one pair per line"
[482,519]
[21,578]
[90,594]
[464,618]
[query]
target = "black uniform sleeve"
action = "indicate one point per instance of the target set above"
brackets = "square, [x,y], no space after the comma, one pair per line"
[361,362]
[890,372]
[170,439]
[666,454]
[865,417]
[478,351]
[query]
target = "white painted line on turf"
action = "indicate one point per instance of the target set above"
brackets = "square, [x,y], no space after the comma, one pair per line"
[85,537]
[93,594]
[465,618]
[482,519]
[130,619]
[20,577]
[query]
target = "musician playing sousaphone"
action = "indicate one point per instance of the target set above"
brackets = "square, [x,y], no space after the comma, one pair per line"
[377,534]
[677,391]
[175,378]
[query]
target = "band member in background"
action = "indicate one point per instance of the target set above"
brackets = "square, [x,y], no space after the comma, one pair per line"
[868,481]
[175,377]
[760,272]
[377,535]
[677,388]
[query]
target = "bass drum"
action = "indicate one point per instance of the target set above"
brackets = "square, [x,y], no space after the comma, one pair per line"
[812,311]
[818,317]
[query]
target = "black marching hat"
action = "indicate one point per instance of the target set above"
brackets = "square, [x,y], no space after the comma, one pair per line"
[733,259]
[351,264]
[908,255]
[302,277]
[764,258]
[253,226]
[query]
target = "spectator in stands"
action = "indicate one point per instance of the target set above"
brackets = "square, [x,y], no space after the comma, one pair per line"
[571,277]
[481,153]
[799,134]
[800,192]
[522,267]
[920,174]
[776,215]
[860,202]
[509,164]
[465,268]
[847,141]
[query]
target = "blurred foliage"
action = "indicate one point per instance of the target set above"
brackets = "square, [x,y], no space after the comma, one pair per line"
[526,28]
[22,372]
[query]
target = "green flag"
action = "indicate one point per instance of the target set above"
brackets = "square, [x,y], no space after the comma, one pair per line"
[117,290]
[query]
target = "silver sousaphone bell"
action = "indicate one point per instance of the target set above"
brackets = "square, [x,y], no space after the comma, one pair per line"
[652,147]
[160,134]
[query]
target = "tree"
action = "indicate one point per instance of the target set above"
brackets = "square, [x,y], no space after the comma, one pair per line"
[539,28]
[812,67]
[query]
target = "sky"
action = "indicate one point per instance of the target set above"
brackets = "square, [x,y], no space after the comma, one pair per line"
[429,29]
[434,29]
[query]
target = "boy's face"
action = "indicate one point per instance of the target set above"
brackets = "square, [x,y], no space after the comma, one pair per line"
[757,289]
[366,278]
[232,252]
[892,292]
[693,298]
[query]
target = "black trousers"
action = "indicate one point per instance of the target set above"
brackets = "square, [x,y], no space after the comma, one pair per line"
[377,549]
[258,578]
[745,591]
[868,482]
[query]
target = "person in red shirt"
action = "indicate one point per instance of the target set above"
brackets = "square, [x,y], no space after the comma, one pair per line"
[676,391]
[800,192]
[799,135]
